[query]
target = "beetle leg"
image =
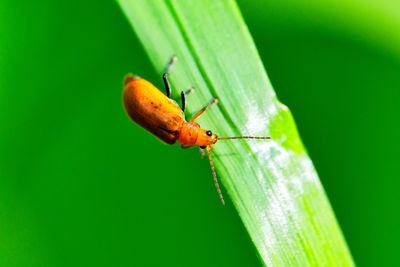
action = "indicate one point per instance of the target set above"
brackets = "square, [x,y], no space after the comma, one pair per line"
[167,85]
[165,78]
[183,100]
[202,152]
[171,63]
[214,101]
[189,91]
[128,78]
[183,97]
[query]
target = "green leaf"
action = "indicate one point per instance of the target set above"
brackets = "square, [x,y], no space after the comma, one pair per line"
[272,183]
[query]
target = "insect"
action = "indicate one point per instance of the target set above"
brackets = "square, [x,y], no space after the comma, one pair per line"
[160,115]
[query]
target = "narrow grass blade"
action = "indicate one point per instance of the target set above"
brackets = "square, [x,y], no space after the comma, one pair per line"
[272,183]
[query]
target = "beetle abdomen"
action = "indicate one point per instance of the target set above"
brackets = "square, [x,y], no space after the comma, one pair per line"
[151,109]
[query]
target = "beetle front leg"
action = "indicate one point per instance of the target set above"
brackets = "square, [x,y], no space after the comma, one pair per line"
[213,102]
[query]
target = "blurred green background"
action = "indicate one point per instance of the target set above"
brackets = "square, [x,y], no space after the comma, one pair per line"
[80,185]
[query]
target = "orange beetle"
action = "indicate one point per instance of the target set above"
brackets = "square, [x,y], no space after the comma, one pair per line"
[160,115]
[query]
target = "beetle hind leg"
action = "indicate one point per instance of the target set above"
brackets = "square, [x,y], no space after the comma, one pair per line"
[171,64]
[165,78]
[128,78]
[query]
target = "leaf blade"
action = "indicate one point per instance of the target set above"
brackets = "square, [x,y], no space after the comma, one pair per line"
[273,185]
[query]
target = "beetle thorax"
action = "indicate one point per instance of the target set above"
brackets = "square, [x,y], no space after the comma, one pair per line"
[188,133]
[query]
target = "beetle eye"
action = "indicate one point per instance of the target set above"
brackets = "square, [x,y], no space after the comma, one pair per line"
[209,133]
[202,147]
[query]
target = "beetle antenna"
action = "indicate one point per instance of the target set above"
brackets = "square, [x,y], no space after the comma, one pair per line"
[244,137]
[215,176]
